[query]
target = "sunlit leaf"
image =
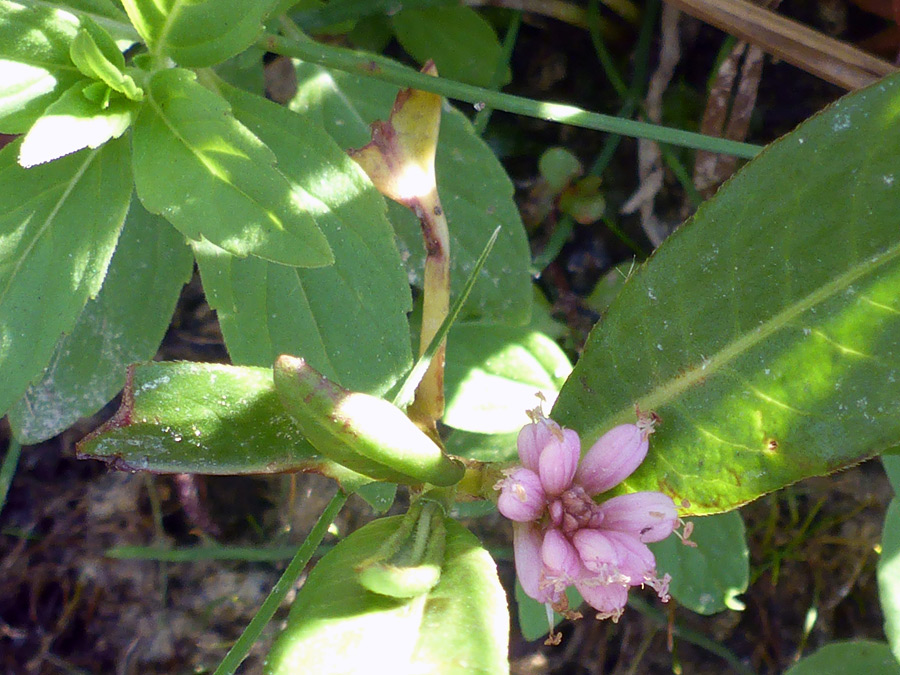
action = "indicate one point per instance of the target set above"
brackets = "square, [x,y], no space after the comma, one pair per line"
[205,418]
[475,192]
[125,323]
[347,320]
[766,331]
[73,123]
[34,61]
[211,177]
[201,32]
[494,374]
[59,224]
[336,626]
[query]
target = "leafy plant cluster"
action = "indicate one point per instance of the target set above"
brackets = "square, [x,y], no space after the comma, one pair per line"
[765,332]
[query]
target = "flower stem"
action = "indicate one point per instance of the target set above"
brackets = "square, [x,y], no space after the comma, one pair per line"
[254,629]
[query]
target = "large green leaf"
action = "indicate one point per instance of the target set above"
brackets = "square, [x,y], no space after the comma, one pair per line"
[474,189]
[205,418]
[34,61]
[123,324]
[198,32]
[766,331]
[59,223]
[708,578]
[493,374]
[889,576]
[347,320]
[107,13]
[211,177]
[336,626]
[853,657]
[461,43]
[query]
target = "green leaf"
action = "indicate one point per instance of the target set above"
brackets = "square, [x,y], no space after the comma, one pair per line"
[205,418]
[766,331]
[245,71]
[707,579]
[533,614]
[483,447]
[360,431]
[852,657]
[96,55]
[73,123]
[347,320]
[891,465]
[336,626]
[108,13]
[125,323]
[34,61]
[889,576]
[211,177]
[493,374]
[474,189]
[461,43]
[58,228]
[198,33]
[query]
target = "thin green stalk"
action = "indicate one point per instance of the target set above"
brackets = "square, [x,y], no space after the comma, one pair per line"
[635,91]
[509,41]
[254,629]
[8,469]
[688,635]
[407,390]
[606,59]
[381,68]
[198,553]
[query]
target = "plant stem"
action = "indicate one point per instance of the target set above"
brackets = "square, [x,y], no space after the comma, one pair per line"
[509,42]
[254,629]
[379,67]
[428,405]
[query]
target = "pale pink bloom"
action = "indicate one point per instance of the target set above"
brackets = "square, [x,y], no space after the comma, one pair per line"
[562,537]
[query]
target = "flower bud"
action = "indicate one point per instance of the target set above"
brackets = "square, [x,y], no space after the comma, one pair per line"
[522,498]
[558,462]
[533,438]
[651,516]
[612,458]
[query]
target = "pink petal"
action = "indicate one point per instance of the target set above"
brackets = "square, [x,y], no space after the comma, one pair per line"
[612,458]
[636,561]
[608,599]
[527,541]
[597,552]
[651,516]
[522,497]
[532,439]
[558,462]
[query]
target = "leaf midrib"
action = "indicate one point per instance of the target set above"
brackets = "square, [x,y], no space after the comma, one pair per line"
[666,392]
[48,221]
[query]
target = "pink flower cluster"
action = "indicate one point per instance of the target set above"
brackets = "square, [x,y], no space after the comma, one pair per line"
[562,537]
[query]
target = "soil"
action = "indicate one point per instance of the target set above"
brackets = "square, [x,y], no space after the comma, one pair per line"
[67,606]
